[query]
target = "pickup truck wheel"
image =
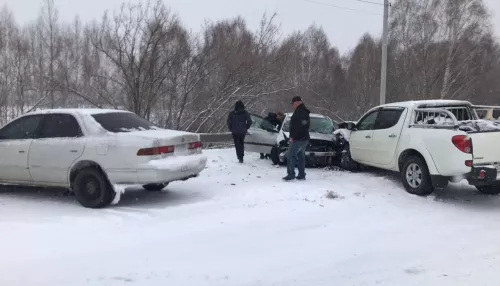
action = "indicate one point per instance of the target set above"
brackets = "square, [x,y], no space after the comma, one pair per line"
[416,178]
[489,190]
[155,187]
[92,189]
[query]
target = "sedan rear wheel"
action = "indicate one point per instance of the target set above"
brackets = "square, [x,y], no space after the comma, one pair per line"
[92,189]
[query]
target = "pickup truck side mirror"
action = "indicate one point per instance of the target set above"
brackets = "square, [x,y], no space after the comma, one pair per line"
[351,126]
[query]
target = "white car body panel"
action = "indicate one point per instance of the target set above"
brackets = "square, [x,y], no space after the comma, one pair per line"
[14,161]
[49,161]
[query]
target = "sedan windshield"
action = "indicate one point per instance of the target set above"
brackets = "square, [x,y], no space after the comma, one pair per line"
[318,125]
[117,122]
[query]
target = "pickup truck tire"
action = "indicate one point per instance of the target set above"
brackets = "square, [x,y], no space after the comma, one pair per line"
[416,178]
[489,190]
[92,189]
[155,187]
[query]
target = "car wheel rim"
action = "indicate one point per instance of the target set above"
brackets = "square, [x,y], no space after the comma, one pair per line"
[91,189]
[414,175]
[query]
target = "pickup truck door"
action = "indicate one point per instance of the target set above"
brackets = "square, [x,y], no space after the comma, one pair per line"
[362,137]
[261,136]
[57,145]
[386,134]
[15,142]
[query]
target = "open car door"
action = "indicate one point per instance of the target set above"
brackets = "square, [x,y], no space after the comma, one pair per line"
[261,136]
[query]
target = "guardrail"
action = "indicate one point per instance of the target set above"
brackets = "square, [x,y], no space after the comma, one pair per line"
[207,138]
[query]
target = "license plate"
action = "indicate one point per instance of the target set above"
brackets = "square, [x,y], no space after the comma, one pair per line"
[184,168]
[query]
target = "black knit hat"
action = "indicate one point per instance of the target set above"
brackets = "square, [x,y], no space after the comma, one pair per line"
[296,98]
[239,106]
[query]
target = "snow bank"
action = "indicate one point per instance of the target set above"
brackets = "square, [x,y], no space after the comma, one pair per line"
[240,224]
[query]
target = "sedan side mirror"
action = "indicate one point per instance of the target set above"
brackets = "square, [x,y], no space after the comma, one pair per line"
[272,130]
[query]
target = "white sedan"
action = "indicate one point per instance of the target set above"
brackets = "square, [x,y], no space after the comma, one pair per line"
[90,151]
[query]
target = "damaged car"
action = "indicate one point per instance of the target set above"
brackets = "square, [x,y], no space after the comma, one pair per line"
[264,137]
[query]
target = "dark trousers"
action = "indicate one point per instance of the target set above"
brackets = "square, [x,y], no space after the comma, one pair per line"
[239,145]
[296,156]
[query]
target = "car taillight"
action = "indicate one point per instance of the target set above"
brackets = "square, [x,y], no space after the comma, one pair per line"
[194,145]
[156,151]
[463,143]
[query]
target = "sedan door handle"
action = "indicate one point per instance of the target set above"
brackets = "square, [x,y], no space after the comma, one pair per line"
[22,151]
[73,151]
[392,136]
[368,137]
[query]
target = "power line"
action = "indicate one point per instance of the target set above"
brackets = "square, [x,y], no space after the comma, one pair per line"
[370,2]
[345,8]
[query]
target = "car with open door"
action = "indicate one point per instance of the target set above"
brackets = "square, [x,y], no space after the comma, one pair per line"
[262,135]
[265,138]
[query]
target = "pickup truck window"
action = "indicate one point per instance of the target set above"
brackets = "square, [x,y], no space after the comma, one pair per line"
[388,118]
[368,122]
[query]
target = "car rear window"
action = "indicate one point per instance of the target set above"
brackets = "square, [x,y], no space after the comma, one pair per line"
[123,122]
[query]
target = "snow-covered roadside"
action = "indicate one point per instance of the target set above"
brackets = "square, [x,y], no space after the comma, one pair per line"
[241,225]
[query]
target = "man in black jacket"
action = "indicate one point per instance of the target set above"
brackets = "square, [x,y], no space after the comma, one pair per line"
[299,139]
[239,122]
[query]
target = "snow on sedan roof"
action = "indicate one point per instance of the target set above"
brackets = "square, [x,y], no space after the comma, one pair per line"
[82,111]
[310,115]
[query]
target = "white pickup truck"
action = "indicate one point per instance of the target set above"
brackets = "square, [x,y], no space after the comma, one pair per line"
[430,143]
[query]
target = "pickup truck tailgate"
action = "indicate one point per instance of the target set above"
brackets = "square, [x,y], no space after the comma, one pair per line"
[486,147]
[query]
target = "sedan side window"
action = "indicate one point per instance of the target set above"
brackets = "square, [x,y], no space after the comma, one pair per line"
[368,122]
[388,118]
[22,128]
[60,126]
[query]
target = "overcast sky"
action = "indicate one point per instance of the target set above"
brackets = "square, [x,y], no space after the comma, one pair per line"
[344,27]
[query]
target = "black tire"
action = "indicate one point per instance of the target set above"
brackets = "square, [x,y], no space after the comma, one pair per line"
[346,161]
[155,187]
[275,155]
[92,189]
[489,190]
[416,178]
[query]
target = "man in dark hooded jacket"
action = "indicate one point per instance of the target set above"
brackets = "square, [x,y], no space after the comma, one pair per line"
[239,122]
[299,139]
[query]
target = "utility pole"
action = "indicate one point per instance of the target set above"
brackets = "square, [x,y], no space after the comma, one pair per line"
[385,34]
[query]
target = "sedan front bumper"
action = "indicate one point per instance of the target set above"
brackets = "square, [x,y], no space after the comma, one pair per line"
[312,156]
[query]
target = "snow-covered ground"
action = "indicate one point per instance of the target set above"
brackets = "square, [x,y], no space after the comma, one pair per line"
[241,225]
